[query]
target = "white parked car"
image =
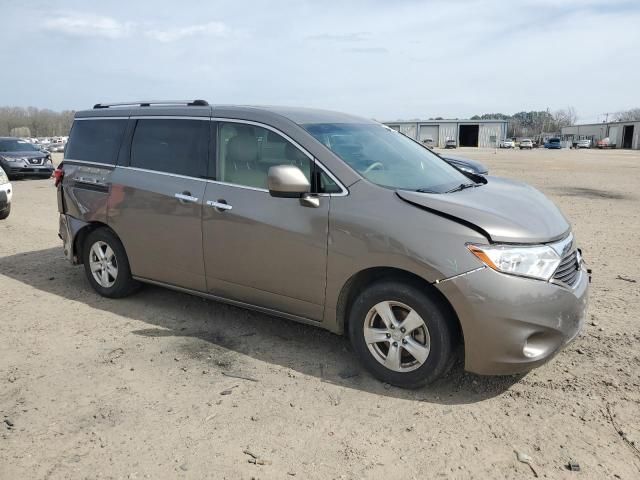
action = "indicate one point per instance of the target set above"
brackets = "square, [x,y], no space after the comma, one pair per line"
[526,143]
[584,143]
[6,192]
[56,146]
[507,143]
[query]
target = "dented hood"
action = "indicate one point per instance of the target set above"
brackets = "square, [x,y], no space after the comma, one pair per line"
[504,210]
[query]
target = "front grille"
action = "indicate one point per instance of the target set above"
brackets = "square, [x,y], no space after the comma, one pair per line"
[35,161]
[567,271]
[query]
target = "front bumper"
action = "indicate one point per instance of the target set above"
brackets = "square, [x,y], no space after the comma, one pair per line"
[23,168]
[513,324]
[30,171]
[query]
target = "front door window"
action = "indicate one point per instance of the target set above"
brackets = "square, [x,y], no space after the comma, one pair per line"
[246,152]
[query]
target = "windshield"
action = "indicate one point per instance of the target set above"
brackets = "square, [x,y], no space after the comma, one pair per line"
[12,145]
[387,158]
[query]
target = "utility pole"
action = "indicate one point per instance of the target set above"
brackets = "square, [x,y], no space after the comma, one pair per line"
[606,116]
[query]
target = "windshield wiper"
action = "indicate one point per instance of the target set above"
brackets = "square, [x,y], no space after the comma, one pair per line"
[426,190]
[462,186]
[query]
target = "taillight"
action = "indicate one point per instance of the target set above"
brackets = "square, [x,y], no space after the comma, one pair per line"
[58,175]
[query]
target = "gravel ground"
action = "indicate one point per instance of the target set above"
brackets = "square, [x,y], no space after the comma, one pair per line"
[144,387]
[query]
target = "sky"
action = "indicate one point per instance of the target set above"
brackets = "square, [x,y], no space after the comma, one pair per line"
[382,59]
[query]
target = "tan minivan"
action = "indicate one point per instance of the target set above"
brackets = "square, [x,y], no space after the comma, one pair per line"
[327,219]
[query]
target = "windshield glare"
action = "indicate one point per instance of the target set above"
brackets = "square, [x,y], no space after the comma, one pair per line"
[11,145]
[386,157]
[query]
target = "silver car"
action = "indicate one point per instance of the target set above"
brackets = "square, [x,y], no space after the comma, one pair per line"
[328,219]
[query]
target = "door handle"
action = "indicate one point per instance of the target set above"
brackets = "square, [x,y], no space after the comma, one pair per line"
[310,200]
[186,197]
[220,206]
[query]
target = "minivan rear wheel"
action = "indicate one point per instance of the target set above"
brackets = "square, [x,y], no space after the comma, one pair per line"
[106,265]
[401,334]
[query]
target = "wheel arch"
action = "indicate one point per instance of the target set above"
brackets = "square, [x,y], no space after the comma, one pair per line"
[81,236]
[369,276]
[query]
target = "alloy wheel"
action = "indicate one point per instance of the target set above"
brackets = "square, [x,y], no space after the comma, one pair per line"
[397,336]
[103,264]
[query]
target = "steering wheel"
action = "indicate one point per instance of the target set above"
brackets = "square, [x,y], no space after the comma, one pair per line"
[373,166]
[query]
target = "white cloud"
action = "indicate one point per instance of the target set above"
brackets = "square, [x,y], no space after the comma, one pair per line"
[89,25]
[215,29]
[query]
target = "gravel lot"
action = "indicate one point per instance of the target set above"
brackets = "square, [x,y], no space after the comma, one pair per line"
[143,387]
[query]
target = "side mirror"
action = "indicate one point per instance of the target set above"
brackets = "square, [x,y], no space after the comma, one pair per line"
[287,181]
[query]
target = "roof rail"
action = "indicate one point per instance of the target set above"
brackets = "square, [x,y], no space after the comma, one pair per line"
[148,103]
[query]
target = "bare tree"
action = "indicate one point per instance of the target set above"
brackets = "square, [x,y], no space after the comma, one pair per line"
[38,122]
[632,115]
[564,117]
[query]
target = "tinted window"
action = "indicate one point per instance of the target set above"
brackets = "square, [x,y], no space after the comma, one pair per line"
[95,140]
[326,184]
[246,152]
[172,146]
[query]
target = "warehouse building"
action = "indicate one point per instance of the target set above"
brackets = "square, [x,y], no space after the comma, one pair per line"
[466,133]
[620,134]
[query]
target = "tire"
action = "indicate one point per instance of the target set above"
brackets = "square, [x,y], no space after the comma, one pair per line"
[437,333]
[118,282]
[5,213]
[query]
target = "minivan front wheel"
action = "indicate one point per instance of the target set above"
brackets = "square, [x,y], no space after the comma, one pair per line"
[401,334]
[106,265]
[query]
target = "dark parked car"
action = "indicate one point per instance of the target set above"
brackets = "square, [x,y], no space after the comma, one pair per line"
[19,158]
[553,143]
[429,143]
[466,165]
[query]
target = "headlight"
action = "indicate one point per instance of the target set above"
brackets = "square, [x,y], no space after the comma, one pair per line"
[13,159]
[3,177]
[538,261]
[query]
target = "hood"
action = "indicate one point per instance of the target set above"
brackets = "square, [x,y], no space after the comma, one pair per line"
[504,210]
[476,166]
[34,154]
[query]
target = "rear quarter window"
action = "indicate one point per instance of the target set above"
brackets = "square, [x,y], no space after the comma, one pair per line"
[94,140]
[171,146]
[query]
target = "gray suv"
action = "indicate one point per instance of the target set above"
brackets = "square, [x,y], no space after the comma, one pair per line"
[327,219]
[20,158]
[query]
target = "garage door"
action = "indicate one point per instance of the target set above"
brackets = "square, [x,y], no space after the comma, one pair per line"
[490,135]
[614,136]
[429,131]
